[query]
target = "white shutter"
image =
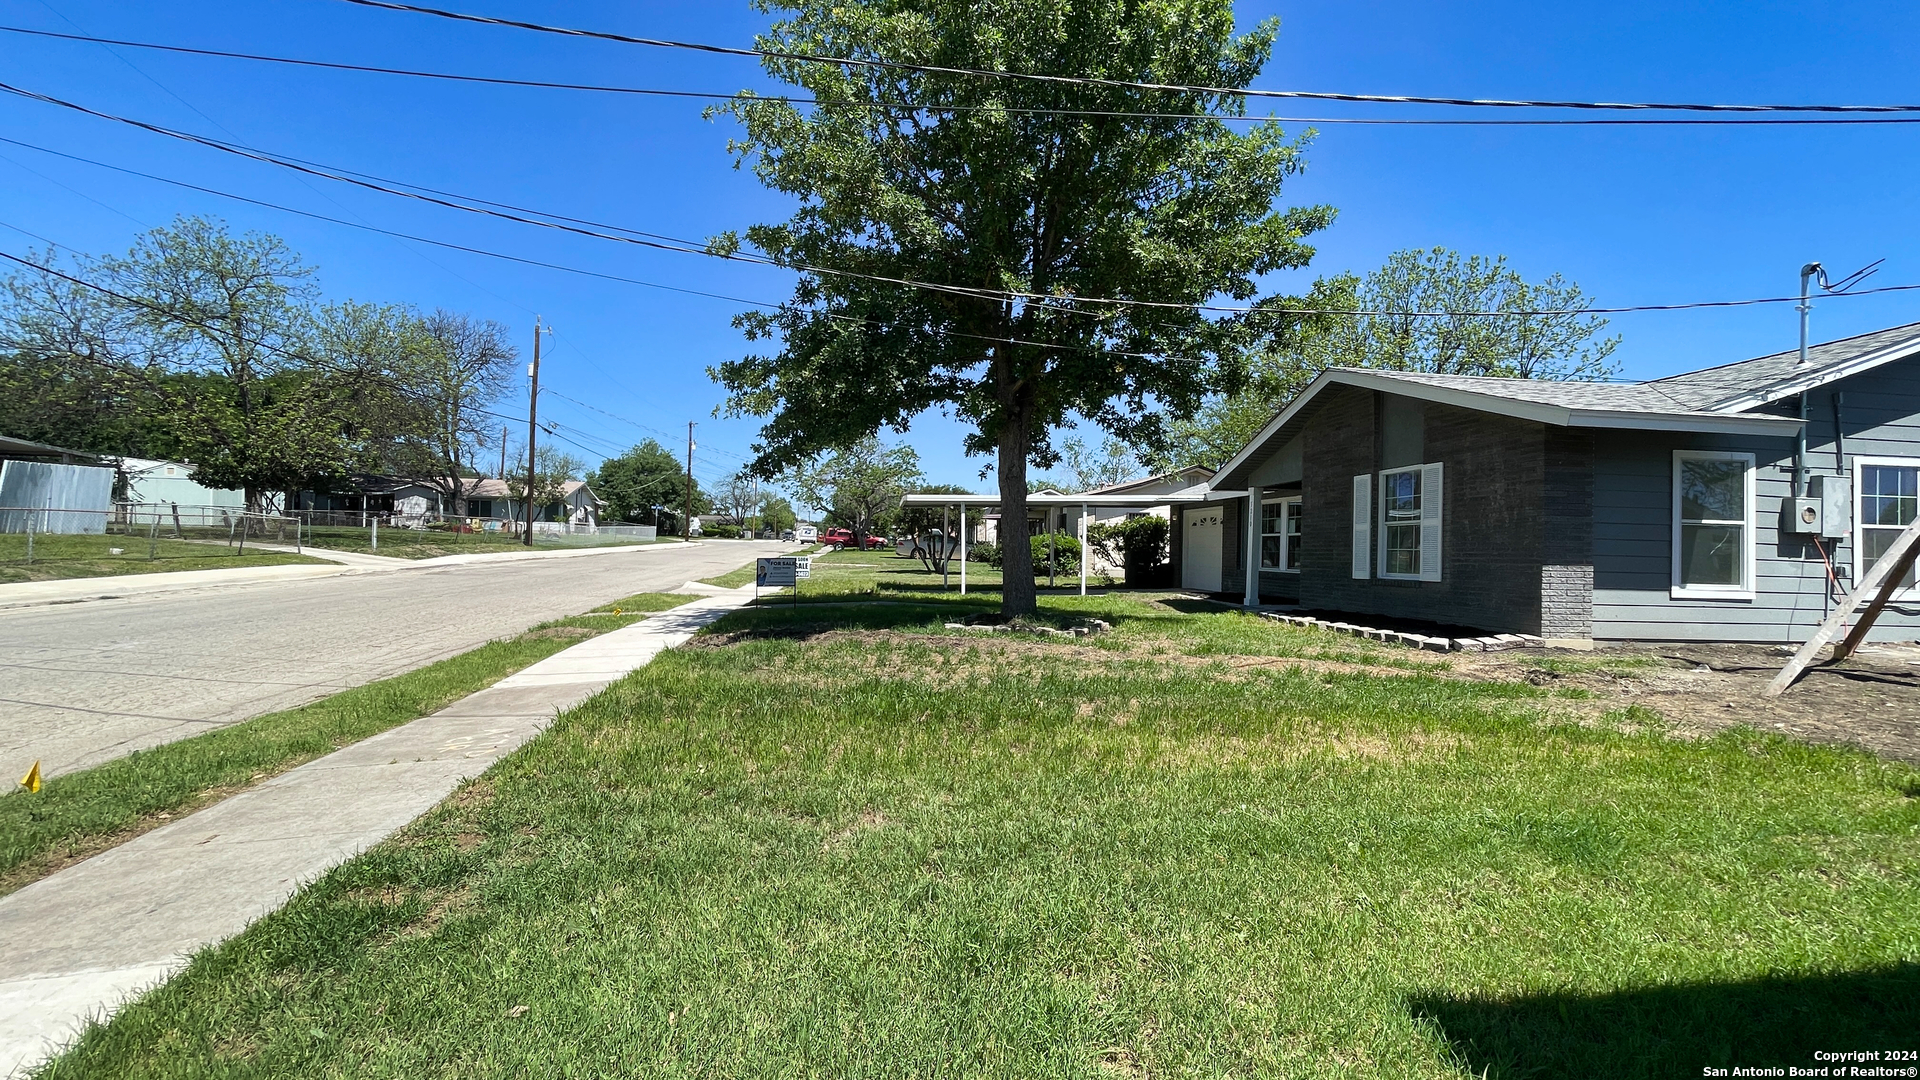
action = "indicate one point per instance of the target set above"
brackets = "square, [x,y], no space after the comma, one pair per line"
[1363,525]
[1431,501]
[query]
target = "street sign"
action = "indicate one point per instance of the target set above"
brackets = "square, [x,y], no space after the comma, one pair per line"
[780,573]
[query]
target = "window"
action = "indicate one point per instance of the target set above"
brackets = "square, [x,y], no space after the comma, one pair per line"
[1292,534]
[1410,501]
[1400,523]
[1886,499]
[479,507]
[1713,551]
[1280,534]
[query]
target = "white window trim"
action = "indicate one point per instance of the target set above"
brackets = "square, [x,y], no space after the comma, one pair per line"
[1859,521]
[1380,524]
[1749,539]
[1288,504]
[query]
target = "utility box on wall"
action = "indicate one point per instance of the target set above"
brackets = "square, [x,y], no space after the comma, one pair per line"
[1825,510]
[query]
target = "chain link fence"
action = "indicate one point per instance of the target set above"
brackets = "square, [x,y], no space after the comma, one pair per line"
[43,542]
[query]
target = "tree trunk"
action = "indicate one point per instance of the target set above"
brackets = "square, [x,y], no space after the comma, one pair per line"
[1016,558]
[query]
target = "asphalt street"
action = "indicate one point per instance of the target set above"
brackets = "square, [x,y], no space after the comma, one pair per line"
[84,683]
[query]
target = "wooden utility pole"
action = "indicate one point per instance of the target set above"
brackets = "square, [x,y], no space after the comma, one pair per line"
[502,474]
[1881,582]
[533,408]
[686,529]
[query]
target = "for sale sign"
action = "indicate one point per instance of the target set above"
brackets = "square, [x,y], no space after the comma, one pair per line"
[780,573]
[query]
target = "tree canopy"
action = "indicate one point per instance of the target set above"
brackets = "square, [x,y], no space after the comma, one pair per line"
[210,347]
[1495,323]
[646,476]
[860,485]
[1062,259]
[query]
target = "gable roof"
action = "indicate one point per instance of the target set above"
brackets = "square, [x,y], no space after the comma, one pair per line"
[1188,476]
[1747,384]
[1716,399]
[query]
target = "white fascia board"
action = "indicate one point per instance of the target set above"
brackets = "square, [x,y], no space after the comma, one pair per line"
[1820,377]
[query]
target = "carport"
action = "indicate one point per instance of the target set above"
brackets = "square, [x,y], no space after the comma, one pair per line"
[1054,504]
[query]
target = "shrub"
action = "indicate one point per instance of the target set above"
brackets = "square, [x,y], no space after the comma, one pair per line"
[1066,554]
[1139,545]
[720,532]
[988,553]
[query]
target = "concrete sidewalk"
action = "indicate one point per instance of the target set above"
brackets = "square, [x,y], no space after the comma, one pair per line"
[77,945]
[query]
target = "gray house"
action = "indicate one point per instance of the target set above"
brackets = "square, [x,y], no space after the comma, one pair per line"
[1736,503]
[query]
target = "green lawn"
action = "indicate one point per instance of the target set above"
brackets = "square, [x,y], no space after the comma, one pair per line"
[844,575]
[848,842]
[56,557]
[82,813]
[433,543]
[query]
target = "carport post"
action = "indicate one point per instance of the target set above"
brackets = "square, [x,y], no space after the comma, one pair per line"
[1250,558]
[1083,549]
[946,543]
[963,549]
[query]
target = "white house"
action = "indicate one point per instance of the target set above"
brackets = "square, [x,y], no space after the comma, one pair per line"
[163,483]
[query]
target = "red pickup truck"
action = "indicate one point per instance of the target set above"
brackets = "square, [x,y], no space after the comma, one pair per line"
[844,538]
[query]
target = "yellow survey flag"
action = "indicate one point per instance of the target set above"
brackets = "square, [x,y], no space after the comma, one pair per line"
[31,781]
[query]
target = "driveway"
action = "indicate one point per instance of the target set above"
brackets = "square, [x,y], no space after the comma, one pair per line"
[84,683]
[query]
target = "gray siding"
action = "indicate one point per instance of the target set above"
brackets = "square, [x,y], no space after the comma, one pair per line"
[1633,522]
[1493,514]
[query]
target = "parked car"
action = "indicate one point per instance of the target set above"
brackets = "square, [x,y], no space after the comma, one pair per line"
[844,538]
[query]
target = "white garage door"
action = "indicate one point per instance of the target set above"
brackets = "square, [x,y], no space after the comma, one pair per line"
[1200,550]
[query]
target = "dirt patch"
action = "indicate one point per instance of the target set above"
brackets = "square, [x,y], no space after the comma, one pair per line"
[868,821]
[1872,702]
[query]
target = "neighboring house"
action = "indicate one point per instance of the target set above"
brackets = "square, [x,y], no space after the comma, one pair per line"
[400,500]
[164,483]
[1661,510]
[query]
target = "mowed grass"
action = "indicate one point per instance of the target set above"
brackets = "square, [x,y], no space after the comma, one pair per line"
[57,557]
[816,846]
[433,543]
[848,574]
[82,813]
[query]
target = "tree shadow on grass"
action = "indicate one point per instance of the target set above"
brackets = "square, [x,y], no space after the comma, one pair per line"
[1681,1030]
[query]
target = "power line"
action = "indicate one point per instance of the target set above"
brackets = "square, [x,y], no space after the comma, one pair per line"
[1122,84]
[631,423]
[710,95]
[1061,303]
[389,382]
[521,260]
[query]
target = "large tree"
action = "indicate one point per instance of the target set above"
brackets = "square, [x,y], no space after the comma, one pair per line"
[236,311]
[644,477]
[1023,208]
[858,485]
[1432,311]
[73,372]
[464,365]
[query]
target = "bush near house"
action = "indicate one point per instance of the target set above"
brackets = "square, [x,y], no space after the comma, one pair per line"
[1066,554]
[1140,545]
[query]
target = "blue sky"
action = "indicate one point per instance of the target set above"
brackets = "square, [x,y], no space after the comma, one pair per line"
[1634,215]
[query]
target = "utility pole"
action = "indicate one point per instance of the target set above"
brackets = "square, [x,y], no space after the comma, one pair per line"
[686,530]
[533,408]
[502,474]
